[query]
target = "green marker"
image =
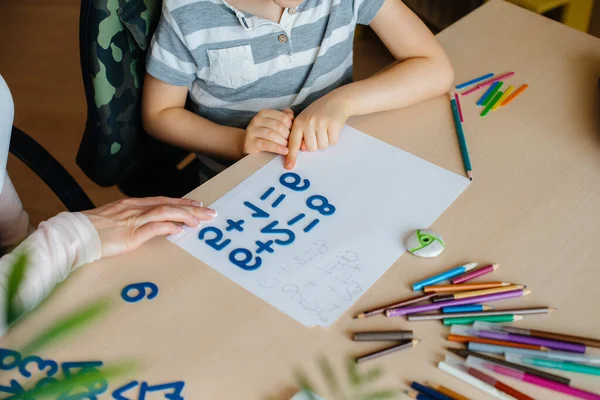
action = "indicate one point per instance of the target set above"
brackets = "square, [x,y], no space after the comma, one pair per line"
[561,365]
[486,318]
[491,95]
[491,104]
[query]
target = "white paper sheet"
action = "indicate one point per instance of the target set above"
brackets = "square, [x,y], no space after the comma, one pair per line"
[380,193]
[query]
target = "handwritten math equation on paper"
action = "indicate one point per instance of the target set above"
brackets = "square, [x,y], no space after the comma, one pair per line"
[276,241]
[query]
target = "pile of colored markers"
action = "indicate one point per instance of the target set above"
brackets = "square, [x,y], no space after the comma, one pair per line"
[495,96]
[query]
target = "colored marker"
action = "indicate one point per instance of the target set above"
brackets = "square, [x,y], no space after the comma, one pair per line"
[459,107]
[485,95]
[549,354]
[491,104]
[474,81]
[515,94]
[460,134]
[443,276]
[496,86]
[553,364]
[474,274]
[491,318]
[484,84]
[507,93]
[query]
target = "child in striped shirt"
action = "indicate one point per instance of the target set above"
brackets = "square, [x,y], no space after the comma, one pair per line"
[276,75]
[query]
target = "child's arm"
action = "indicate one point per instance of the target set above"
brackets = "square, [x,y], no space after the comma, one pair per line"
[165,118]
[423,71]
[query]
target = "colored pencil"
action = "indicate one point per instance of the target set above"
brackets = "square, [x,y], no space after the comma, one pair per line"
[490,318]
[396,312]
[507,93]
[511,337]
[556,378]
[401,346]
[474,293]
[464,151]
[416,395]
[489,81]
[498,385]
[405,302]
[459,373]
[473,339]
[434,394]
[515,94]
[443,276]
[384,336]
[469,308]
[553,364]
[515,311]
[549,354]
[459,107]
[550,335]
[534,380]
[475,274]
[484,97]
[491,104]
[448,392]
[495,88]
[464,287]
[474,81]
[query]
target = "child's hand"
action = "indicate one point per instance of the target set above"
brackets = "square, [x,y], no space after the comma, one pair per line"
[316,127]
[269,131]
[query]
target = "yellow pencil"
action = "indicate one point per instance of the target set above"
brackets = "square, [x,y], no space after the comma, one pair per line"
[474,293]
[504,96]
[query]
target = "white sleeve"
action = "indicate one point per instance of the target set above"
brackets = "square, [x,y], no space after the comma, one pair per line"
[55,249]
[7,112]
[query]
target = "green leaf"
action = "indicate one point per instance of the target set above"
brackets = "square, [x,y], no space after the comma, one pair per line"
[380,395]
[14,281]
[67,326]
[353,374]
[370,376]
[65,385]
[329,375]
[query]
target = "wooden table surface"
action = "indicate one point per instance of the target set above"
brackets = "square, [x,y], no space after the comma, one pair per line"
[534,208]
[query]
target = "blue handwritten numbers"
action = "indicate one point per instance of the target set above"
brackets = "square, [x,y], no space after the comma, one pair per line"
[9,359]
[52,366]
[176,394]
[140,292]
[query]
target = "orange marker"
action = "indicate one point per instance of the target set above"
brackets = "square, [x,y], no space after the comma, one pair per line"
[515,94]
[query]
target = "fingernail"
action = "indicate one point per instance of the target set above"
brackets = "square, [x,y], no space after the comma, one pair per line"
[197,221]
[211,213]
[289,165]
[197,203]
[179,229]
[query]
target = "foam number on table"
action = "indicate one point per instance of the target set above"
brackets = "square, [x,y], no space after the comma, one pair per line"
[9,359]
[140,290]
[264,246]
[271,230]
[117,394]
[294,182]
[176,394]
[258,212]
[92,387]
[214,242]
[244,263]
[52,366]
[235,225]
[321,204]
[268,193]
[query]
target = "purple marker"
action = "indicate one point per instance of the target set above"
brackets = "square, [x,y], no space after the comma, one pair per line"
[396,312]
[551,344]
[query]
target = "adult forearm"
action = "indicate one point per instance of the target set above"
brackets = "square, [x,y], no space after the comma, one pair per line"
[184,129]
[404,84]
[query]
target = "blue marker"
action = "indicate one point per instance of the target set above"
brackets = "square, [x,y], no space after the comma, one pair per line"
[444,276]
[429,392]
[474,81]
[487,93]
[469,308]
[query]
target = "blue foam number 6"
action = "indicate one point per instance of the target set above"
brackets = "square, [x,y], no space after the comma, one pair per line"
[214,242]
[295,180]
[140,288]
[324,208]
[245,263]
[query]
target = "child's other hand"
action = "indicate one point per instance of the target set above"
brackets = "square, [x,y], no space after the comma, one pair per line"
[317,127]
[269,131]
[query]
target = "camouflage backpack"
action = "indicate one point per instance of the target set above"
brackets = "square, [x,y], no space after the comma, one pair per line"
[114,38]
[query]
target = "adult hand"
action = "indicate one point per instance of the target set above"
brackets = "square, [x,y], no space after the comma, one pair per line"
[126,224]
[317,127]
[268,131]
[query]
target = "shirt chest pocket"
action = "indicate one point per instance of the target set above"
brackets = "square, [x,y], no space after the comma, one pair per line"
[233,67]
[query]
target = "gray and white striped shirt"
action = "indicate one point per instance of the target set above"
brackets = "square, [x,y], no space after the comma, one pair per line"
[236,64]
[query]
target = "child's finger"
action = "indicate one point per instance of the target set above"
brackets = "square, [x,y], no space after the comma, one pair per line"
[271,147]
[289,112]
[276,126]
[276,115]
[271,136]
[310,140]
[294,143]
[322,139]
[302,146]
[334,134]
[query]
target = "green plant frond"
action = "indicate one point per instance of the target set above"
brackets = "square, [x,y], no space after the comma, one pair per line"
[380,395]
[329,376]
[67,326]
[15,279]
